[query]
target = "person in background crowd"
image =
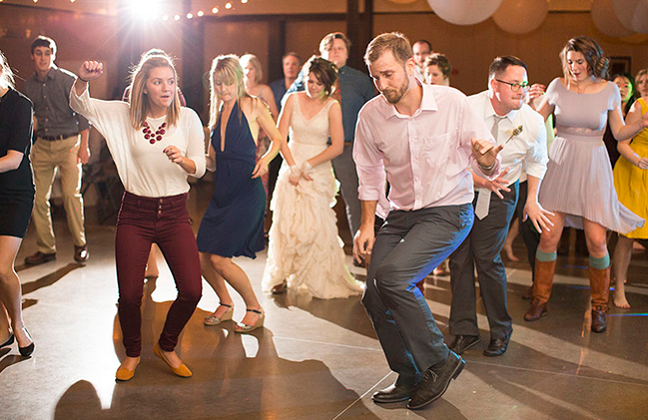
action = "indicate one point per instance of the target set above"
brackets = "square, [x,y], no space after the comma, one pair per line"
[305,248]
[61,146]
[626,86]
[437,70]
[521,132]
[354,89]
[421,50]
[16,202]
[233,223]
[631,183]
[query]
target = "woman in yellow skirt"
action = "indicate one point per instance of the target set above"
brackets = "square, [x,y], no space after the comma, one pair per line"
[631,183]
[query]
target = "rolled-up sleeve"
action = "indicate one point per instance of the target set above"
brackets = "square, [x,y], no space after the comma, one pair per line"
[536,158]
[369,163]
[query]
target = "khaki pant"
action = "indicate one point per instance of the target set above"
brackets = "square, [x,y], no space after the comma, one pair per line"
[47,157]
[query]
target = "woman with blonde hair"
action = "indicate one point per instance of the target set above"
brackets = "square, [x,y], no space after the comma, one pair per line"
[16,202]
[233,223]
[155,144]
[578,187]
[641,83]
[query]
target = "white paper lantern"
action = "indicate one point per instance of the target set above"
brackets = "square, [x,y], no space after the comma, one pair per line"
[521,16]
[606,21]
[402,1]
[625,10]
[464,12]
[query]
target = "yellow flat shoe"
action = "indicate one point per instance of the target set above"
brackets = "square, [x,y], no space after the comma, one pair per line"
[124,374]
[181,370]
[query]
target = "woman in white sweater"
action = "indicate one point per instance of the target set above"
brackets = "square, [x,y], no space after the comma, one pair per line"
[155,144]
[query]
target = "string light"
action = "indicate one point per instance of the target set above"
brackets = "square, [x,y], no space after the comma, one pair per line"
[200,13]
[228,5]
[215,10]
[244,1]
[165,17]
[189,15]
[176,17]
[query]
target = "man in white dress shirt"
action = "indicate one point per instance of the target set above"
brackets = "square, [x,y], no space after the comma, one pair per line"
[424,137]
[521,132]
[421,50]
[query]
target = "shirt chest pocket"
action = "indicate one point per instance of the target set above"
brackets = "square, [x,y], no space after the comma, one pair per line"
[435,150]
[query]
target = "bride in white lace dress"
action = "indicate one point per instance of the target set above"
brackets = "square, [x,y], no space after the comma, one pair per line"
[305,250]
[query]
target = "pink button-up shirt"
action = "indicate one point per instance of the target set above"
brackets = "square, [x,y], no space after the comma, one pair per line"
[426,156]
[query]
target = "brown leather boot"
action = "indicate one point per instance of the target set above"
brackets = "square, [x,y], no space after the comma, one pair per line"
[600,288]
[544,273]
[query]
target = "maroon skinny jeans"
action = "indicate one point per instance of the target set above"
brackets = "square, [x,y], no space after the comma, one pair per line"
[143,221]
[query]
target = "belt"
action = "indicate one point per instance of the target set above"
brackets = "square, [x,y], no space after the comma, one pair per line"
[59,137]
[348,143]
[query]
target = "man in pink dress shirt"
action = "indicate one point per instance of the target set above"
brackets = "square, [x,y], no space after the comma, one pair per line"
[425,138]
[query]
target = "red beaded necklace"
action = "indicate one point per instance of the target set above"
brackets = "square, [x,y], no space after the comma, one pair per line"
[150,136]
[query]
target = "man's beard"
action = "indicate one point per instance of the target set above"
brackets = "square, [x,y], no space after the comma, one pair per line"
[393,96]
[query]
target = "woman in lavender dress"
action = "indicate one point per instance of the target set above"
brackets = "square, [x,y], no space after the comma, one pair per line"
[579,186]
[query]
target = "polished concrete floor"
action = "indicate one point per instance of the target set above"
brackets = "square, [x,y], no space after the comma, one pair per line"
[314,359]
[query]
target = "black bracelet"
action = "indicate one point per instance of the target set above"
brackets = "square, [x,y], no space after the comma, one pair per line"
[86,81]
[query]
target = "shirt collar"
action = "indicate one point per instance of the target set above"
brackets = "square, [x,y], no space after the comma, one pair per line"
[51,74]
[427,103]
[489,111]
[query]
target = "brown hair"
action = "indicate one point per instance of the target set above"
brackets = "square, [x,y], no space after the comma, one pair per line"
[597,63]
[324,71]
[139,103]
[43,41]
[6,78]
[395,42]
[227,69]
[440,61]
[327,42]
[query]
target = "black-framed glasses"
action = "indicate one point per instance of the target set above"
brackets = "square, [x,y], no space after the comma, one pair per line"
[515,86]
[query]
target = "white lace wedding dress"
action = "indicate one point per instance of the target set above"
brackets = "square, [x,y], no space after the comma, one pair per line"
[305,248]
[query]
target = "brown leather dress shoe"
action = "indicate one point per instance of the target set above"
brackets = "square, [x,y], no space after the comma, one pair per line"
[598,319]
[81,253]
[39,258]
[536,311]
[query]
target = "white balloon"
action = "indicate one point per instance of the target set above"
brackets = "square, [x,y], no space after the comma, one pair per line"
[625,11]
[521,16]
[606,21]
[640,20]
[464,12]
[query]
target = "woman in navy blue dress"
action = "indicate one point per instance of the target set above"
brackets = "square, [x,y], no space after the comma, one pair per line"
[16,202]
[233,223]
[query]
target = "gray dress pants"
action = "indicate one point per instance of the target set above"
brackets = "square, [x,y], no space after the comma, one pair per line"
[482,249]
[409,245]
[345,172]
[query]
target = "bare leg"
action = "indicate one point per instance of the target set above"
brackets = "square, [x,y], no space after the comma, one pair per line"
[151,265]
[508,245]
[622,256]
[5,322]
[10,288]
[217,282]
[237,278]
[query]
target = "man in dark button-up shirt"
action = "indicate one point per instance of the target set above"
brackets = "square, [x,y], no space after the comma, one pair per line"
[354,90]
[61,145]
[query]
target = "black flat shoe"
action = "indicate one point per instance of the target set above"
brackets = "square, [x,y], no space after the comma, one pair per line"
[498,346]
[9,341]
[462,343]
[395,393]
[436,382]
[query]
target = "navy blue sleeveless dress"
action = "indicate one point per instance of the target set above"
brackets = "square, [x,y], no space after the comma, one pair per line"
[233,223]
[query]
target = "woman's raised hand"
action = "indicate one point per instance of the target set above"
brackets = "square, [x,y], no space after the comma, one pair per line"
[90,70]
